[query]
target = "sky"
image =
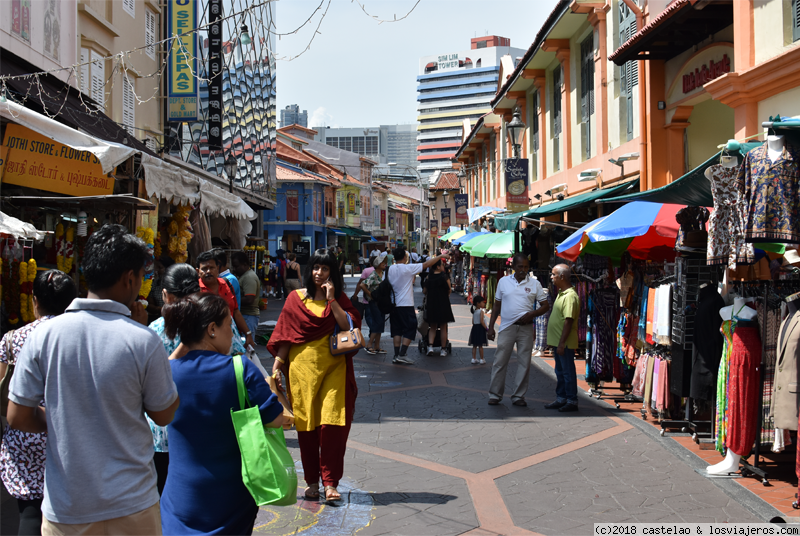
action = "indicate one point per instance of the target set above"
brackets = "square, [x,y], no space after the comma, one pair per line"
[358,73]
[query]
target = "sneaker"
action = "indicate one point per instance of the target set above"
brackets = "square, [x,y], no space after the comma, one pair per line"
[443,353]
[569,406]
[474,361]
[430,350]
[401,361]
[482,362]
[555,405]
[538,353]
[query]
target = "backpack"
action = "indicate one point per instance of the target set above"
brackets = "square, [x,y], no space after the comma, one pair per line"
[383,296]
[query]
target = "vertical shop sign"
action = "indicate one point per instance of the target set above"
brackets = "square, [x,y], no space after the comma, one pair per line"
[341,210]
[434,228]
[445,218]
[383,219]
[416,222]
[461,208]
[351,203]
[215,108]
[517,184]
[391,222]
[182,81]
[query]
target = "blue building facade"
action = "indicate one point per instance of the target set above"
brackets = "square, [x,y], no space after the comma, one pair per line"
[299,213]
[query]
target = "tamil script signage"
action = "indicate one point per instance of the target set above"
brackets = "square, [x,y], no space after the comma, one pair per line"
[461,200]
[182,62]
[215,108]
[706,73]
[36,161]
[445,218]
[516,171]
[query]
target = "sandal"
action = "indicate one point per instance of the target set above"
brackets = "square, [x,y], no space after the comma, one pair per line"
[331,494]
[311,493]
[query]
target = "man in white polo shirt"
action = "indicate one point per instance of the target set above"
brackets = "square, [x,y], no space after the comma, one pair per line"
[518,296]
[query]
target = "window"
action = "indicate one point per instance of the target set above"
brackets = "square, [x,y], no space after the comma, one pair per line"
[535,137]
[130,7]
[128,105]
[292,212]
[151,143]
[481,44]
[795,20]
[556,118]
[150,29]
[629,72]
[587,93]
[93,75]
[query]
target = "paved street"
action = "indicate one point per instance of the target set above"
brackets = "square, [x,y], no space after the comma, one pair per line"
[427,455]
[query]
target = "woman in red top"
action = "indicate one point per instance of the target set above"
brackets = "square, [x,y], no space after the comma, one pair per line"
[211,282]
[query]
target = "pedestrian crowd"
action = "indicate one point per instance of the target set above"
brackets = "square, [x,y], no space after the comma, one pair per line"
[153,386]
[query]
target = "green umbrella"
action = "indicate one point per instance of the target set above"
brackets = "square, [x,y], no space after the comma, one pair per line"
[501,247]
[448,235]
[467,247]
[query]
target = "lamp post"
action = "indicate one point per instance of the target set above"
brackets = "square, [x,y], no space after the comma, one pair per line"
[421,191]
[515,129]
[231,167]
[445,197]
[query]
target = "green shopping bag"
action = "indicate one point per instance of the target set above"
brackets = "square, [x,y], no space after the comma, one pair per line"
[268,470]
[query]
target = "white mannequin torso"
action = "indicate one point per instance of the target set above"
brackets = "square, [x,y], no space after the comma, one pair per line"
[775,147]
[739,310]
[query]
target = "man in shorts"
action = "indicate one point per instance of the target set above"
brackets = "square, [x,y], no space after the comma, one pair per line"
[402,318]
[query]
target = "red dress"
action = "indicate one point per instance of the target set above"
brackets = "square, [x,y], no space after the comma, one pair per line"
[743,389]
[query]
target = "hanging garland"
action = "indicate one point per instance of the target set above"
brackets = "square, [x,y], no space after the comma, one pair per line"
[180,234]
[146,234]
[60,246]
[27,273]
[69,250]
[157,246]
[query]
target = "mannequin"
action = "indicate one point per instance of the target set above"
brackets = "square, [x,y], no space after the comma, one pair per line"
[739,310]
[786,400]
[775,146]
[745,361]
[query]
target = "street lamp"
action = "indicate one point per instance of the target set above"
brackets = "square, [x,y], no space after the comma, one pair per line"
[445,197]
[461,176]
[515,129]
[231,167]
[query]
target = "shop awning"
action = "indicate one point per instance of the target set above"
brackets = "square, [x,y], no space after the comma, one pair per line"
[109,154]
[83,201]
[692,189]
[509,222]
[354,232]
[18,228]
[337,232]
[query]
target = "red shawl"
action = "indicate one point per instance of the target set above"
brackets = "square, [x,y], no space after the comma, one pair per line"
[298,325]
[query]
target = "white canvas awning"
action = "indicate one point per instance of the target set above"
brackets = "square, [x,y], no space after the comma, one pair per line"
[109,154]
[169,182]
[18,228]
[214,201]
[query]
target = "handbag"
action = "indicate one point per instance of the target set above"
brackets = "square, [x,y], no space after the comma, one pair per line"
[344,342]
[268,470]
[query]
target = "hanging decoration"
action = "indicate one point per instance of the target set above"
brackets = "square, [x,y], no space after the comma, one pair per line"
[146,234]
[157,246]
[180,234]
[11,287]
[27,273]
[65,248]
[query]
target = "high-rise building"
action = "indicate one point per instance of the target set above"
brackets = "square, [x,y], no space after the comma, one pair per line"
[452,87]
[291,115]
[384,144]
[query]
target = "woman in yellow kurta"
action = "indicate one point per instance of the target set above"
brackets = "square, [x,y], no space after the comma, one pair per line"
[321,386]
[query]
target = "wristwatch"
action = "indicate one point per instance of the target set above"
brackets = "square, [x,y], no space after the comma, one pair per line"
[248,333]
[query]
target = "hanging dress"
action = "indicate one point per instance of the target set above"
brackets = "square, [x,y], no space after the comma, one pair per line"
[726,244]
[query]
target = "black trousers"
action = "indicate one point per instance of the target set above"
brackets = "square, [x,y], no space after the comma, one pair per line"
[30,517]
[161,461]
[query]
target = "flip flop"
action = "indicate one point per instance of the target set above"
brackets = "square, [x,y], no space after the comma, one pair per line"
[311,493]
[332,494]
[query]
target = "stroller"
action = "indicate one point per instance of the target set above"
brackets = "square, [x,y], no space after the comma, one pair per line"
[423,329]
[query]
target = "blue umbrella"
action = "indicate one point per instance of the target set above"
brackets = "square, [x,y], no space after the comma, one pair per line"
[467,237]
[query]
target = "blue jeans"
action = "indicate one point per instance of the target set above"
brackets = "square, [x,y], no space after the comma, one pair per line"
[252,323]
[566,378]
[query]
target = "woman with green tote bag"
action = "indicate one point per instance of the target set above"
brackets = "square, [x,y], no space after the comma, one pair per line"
[205,492]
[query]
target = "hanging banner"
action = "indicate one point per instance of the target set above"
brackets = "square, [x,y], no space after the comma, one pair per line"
[461,208]
[182,62]
[35,161]
[215,109]
[341,210]
[516,171]
[445,218]
[416,222]
[434,227]
[391,222]
[383,219]
[351,203]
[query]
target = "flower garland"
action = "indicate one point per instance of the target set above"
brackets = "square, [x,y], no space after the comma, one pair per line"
[27,273]
[146,234]
[180,234]
[65,244]
[157,246]
[60,246]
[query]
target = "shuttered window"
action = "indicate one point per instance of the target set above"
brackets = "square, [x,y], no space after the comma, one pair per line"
[128,105]
[556,118]
[98,79]
[587,94]
[292,205]
[535,137]
[795,20]
[629,72]
[130,7]
[151,143]
[86,68]
[150,30]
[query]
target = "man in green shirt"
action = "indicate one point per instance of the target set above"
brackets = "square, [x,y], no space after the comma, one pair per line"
[251,289]
[562,334]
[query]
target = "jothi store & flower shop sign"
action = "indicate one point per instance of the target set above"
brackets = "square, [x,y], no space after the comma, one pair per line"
[36,161]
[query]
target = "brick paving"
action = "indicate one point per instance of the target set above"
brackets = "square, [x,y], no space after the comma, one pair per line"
[427,455]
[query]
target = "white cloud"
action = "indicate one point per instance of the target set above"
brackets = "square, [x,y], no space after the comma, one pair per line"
[320,118]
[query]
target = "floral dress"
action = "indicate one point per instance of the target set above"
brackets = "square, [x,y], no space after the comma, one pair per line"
[726,243]
[22,455]
[160,441]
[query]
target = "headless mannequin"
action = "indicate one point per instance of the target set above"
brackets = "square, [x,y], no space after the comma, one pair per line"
[731,462]
[775,146]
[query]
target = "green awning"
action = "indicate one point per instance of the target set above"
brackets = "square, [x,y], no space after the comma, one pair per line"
[692,189]
[352,231]
[509,222]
